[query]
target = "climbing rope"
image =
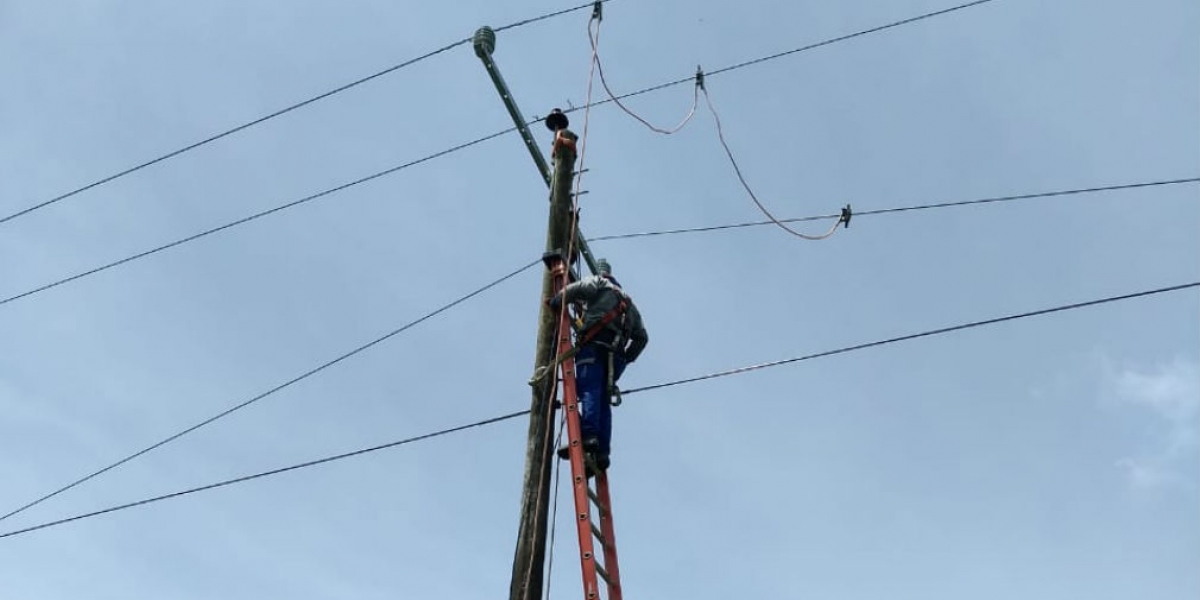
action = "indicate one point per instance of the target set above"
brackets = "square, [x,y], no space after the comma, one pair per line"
[568,255]
[562,425]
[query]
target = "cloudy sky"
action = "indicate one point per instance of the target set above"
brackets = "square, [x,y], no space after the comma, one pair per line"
[1051,458]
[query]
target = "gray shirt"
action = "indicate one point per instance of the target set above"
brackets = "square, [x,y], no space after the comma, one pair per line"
[600,295]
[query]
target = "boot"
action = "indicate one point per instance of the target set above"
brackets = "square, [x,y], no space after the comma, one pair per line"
[590,446]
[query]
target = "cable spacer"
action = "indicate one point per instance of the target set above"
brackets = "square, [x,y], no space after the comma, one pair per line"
[598,10]
[699,77]
[845,218]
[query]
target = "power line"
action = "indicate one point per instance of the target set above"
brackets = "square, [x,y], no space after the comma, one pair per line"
[806,48]
[913,336]
[280,112]
[303,465]
[514,415]
[884,211]
[746,186]
[472,143]
[257,215]
[273,390]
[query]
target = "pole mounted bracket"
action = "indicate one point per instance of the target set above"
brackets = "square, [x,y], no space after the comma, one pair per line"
[553,258]
[484,41]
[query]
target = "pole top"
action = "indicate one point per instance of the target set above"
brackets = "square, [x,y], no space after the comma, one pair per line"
[557,120]
[484,41]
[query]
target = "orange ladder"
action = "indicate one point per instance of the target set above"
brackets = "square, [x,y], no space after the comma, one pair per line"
[585,496]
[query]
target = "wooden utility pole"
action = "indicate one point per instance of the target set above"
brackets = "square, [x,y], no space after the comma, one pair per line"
[539,452]
[530,556]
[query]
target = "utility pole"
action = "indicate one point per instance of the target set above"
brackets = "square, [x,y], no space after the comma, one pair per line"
[530,556]
[485,44]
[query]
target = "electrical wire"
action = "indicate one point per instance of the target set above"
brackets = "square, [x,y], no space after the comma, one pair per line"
[255,216]
[513,415]
[281,112]
[604,82]
[746,186]
[273,390]
[885,211]
[913,336]
[243,479]
[806,48]
[483,139]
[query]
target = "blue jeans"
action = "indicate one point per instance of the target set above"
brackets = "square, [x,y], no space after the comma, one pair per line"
[591,385]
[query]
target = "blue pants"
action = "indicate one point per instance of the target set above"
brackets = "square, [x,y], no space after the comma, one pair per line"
[591,385]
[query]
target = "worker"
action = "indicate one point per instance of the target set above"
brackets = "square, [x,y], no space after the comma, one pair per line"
[609,335]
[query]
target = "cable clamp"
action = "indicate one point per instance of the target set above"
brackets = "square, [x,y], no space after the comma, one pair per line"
[845,218]
[699,77]
[598,10]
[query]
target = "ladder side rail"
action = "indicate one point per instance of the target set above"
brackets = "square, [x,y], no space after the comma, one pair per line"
[570,403]
[610,537]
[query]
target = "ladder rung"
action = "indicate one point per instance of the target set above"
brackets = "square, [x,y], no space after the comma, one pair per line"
[599,536]
[602,573]
[596,500]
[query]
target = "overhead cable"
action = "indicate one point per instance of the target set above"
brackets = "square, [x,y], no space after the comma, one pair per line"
[900,209]
[912,336]
[247,219]
[483,139]
[281,112]
[516,414]
[273,390]
[243,479]
[778,55]
[843,220]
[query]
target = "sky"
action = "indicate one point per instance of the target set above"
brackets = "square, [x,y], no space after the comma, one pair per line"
[1051,458]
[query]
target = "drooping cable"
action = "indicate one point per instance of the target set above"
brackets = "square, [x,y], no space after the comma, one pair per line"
[570,254]
[746,186]
[614,98]
[805,48]
[647,90]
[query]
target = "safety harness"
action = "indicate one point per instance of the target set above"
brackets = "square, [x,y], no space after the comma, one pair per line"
[621,334]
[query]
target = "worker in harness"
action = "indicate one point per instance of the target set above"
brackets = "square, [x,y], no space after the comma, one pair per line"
[609,335]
